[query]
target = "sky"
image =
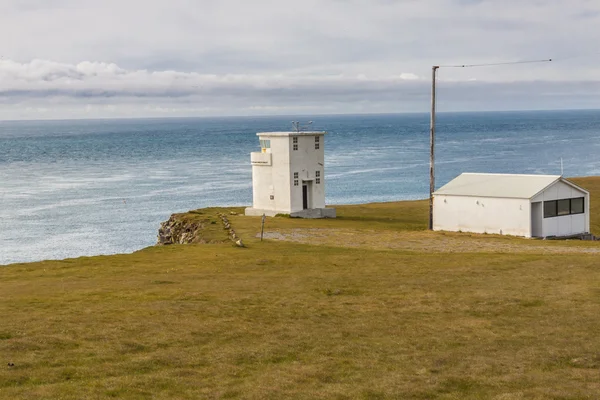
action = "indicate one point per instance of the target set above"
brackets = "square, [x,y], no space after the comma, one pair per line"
[157,58]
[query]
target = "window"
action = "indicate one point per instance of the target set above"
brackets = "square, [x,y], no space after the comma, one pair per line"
[317,143]
[317,177]
[550,209]
[318,174]
[577,206]
[318,181]
[564,207]
[295,143]
[295,175]
[265,144]
[558,208]
[295,182]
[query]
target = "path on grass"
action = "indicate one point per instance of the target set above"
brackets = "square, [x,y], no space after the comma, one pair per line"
[425,241]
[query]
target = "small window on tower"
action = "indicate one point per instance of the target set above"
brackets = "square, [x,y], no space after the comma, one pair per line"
[295,182]
[295,143]
[318,181]
[317,143]
[295,175]
[318,174]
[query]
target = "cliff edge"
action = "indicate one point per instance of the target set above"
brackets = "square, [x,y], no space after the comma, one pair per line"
[198,226]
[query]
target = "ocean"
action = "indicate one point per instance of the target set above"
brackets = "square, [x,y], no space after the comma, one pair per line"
[89,187]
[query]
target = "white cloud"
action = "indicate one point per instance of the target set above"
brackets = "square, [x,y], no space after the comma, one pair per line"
[235,56]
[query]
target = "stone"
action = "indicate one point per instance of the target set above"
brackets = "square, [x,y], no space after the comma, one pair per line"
[239,243]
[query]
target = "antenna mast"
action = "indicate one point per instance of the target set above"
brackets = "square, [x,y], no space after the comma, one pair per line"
[562,172]
[300,128]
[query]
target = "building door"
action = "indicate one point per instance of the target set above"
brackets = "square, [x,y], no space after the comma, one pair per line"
[304,197]
[537,219]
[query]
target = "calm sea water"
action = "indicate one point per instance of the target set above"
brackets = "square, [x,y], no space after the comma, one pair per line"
[73,188]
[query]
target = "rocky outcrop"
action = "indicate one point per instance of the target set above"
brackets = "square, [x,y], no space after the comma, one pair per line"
[181,231]
[198,226]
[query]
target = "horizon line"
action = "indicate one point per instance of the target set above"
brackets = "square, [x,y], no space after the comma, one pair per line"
[125,118]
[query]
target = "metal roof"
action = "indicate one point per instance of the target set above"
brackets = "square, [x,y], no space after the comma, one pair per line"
[514,186]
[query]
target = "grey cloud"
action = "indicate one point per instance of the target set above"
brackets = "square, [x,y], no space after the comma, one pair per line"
[109,90]
[263,51]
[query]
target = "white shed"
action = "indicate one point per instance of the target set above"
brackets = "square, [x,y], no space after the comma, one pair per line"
[288,175]
[511,204]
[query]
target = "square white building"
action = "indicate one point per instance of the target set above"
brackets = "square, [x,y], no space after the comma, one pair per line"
[288,175]
[512,204]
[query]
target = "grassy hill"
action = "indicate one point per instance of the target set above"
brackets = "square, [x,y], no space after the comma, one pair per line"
[367,306]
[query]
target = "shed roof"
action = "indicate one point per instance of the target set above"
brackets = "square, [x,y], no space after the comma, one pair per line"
[514,186]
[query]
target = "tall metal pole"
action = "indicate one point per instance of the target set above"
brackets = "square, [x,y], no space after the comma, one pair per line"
[432,147]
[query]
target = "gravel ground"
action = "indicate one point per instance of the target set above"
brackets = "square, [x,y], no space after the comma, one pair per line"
[430,241]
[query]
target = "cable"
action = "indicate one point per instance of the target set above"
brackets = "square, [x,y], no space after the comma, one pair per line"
[494,64]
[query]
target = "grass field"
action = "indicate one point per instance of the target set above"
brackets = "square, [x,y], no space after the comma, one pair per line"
[367,306]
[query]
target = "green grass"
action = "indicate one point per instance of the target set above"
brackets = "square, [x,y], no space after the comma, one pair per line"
[280,320]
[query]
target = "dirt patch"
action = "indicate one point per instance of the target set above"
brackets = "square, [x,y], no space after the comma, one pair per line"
[438,242]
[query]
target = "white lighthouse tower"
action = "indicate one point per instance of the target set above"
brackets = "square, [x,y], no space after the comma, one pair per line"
[288,175]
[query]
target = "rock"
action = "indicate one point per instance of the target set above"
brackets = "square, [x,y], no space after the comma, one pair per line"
[178,230]
[239,243]
[233,213]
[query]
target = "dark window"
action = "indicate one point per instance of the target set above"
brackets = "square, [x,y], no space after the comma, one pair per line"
[295,182]
[550,209]
[564,207]
[295,143]
[558,208]
[295,175]
[318,174]
[577,206]
[318,181]
[317,144]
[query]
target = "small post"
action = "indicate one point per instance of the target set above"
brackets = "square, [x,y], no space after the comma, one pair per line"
[262,227]
[432,147]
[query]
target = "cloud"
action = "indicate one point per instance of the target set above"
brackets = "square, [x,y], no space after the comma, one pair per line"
[234,56]
[46,89]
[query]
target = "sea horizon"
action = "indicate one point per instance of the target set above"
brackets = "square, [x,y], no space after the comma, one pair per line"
[302,115]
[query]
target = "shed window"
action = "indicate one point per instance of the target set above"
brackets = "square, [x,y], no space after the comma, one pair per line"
[558,208]
[577,206]
[564,207]
[549,209]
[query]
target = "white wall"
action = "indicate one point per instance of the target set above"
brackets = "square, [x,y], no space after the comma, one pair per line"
[482,215]
[565,225]
[273,180]
[306,161]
